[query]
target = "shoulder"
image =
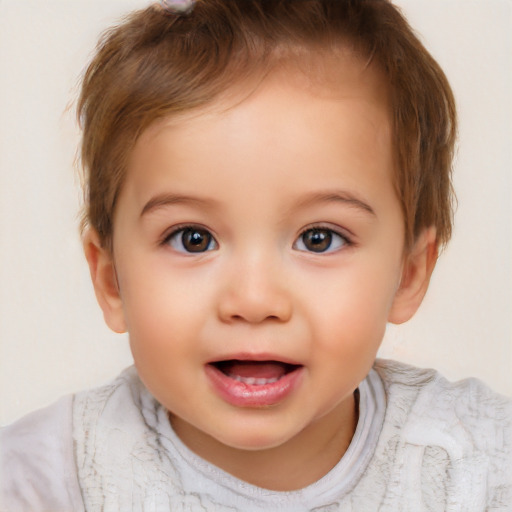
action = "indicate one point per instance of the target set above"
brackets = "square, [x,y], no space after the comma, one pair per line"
[429,393]
[118,402]
[37,469]
[463,427]
[122,456]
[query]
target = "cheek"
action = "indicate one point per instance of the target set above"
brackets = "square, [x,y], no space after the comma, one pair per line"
[165,324]
[163,310]
[350,314]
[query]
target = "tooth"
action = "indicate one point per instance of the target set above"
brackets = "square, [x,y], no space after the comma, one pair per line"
[253,381]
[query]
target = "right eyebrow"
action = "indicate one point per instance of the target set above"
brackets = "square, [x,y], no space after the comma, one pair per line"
[168,199]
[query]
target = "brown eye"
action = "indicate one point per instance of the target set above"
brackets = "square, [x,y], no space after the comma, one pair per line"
[192,240]
[320,240]
[317,240]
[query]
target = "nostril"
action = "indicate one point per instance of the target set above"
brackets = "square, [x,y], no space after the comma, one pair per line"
[240,308]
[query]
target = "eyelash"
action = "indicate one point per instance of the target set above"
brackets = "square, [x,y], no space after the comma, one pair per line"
[343,240]
[183,229]
[176,236]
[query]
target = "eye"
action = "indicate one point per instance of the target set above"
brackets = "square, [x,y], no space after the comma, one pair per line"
[191,239]
[320,240]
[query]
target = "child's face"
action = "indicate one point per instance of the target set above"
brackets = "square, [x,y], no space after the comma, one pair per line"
[268,233]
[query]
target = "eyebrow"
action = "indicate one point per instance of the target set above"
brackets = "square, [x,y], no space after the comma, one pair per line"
[346,198]
[163,200]
[343,197]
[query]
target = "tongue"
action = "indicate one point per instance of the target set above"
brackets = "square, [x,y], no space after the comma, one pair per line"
[256,369]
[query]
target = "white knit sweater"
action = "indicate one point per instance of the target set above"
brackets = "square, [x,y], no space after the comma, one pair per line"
[421,444]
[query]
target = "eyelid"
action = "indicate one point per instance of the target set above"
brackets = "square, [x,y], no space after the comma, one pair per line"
[343,232]
[179,227]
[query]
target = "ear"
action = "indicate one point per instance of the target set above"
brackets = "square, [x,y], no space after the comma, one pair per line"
[104,280]
[417,269]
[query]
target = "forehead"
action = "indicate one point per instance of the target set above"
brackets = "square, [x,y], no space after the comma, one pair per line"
[292,122]
[327,75]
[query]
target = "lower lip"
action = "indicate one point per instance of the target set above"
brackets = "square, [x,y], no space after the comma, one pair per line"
[247,395]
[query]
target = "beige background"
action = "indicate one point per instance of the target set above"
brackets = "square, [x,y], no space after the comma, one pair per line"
[52,337]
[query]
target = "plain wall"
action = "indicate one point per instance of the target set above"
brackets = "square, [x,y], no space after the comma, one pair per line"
[52,337]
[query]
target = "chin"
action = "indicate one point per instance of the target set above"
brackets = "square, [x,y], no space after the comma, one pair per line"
[253,440]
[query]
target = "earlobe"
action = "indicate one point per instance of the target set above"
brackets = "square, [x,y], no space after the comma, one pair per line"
[417,270]
[104,280]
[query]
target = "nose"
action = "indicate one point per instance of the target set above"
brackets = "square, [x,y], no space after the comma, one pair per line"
[255,291]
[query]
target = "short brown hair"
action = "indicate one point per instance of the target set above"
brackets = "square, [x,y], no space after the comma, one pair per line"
[157,63]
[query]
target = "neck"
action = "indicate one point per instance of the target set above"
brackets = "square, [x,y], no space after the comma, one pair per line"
[299,462]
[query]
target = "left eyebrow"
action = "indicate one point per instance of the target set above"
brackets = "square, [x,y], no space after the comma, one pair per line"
[343,197]
[163,200]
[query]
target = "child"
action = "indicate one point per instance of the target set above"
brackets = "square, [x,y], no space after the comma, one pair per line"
[268,184]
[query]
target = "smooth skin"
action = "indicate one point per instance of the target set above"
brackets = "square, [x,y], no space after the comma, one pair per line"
[269,229]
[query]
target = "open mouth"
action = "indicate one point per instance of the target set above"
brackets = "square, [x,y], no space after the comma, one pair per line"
[252,383]
[255,373]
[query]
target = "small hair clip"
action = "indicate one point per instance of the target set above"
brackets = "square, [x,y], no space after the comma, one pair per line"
[178,6]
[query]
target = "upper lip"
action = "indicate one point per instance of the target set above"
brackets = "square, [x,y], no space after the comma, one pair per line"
[256,356]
